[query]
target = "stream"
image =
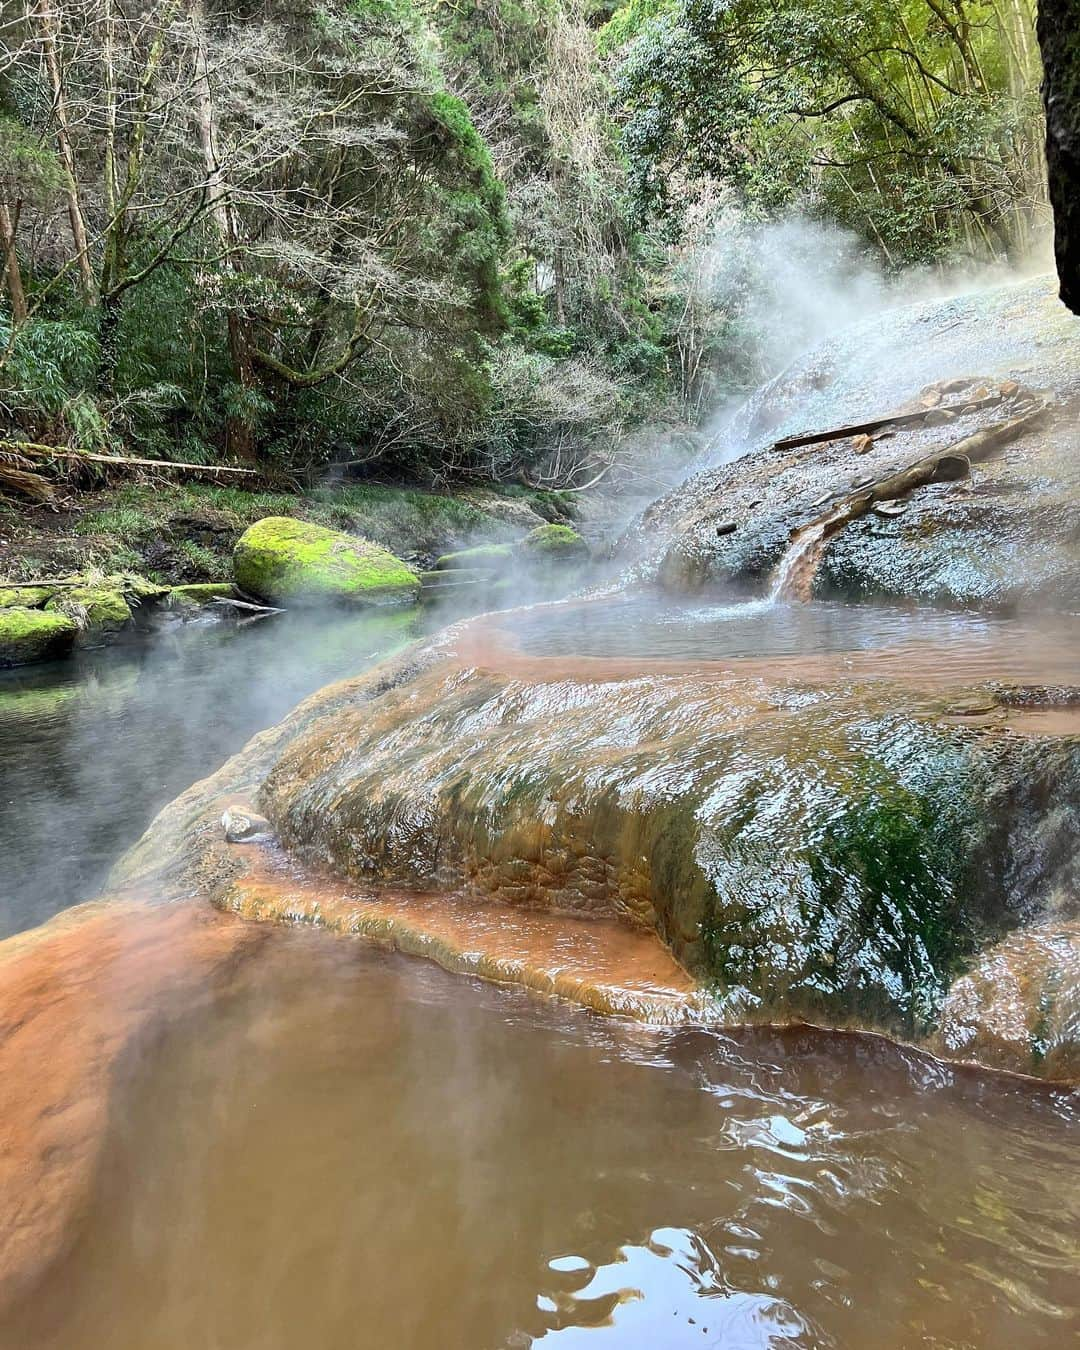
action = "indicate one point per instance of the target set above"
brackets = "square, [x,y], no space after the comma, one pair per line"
[93,748]
[348,1148]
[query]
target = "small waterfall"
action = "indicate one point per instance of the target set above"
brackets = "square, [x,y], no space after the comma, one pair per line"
[795,572]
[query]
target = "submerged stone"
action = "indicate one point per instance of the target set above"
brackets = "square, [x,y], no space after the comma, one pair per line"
[28,635]
[484,557]
[284,561]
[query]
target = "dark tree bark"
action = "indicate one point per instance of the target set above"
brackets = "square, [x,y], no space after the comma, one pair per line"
[1059,38]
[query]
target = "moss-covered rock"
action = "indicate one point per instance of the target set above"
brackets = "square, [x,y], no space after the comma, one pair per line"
[484,557]
[137,588]
[97,610]
[28,635]
[26,597]
[190,598]
[555,543]
[285,561]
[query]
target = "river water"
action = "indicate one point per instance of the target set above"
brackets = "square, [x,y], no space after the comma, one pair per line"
[352,1150]
[357,1151]
[93,748]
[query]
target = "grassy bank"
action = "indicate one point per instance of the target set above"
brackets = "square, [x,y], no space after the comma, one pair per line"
[185,532]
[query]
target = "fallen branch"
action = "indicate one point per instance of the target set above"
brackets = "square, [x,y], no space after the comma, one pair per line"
[14,478]
[34,449]
[943,466]
[880,423]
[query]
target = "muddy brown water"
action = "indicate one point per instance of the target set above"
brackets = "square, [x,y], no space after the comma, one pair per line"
[334,1147]
[353,1149]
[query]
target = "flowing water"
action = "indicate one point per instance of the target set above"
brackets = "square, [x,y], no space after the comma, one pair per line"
[348,1148]
[356,1151]
[903,643]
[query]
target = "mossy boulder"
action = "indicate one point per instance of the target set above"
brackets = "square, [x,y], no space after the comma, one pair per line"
[484,557]
[26,597]
[97,610]
[555,543]
[137,588]
[28,635]
[188,599]
[284,561]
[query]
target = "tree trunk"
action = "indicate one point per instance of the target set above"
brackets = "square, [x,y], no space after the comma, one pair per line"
[239,436]
[67,156]
[1059,37]
[108,342]
[11,266]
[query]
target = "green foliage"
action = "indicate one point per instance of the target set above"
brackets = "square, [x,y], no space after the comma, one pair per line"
[454,244]
[49,363]
[917,129]
[29,171]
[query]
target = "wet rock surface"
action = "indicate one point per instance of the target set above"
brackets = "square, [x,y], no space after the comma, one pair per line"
[837,840]
[1020,1003]
[1001,530]
[824,850]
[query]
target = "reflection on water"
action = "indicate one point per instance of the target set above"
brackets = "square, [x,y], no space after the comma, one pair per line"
[93,748]
[646,627]
[356,1151]
[822,641]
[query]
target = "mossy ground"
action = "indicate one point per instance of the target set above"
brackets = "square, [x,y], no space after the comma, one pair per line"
[176,533]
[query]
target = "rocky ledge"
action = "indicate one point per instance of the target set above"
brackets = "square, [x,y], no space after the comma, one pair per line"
[935,451]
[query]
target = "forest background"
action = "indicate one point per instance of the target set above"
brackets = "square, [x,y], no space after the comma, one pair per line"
[438,241]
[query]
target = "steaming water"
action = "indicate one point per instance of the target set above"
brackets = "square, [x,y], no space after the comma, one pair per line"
[91,749]
[357,1152]
[354,1151]
[644,627]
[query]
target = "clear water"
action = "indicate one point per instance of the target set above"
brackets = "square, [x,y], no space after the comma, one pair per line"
[91,749]
[355,1151]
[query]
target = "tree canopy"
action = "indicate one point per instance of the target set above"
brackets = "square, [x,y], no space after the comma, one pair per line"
[419,238]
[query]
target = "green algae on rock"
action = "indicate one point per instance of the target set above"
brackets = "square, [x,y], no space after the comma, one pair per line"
[810,855]
[28,635]
[554,543]
[98,610]
[283,561]
[484,557]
